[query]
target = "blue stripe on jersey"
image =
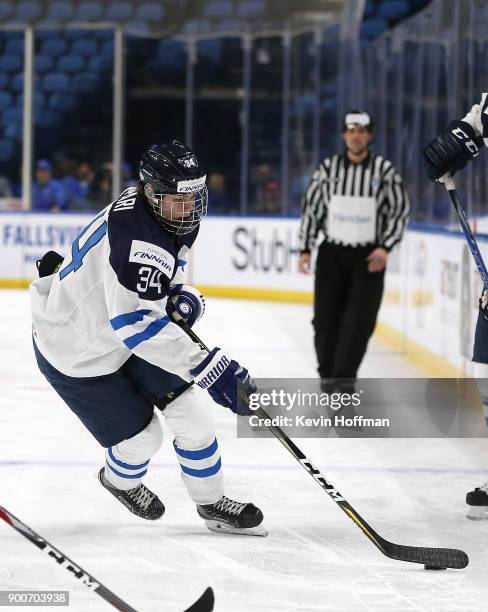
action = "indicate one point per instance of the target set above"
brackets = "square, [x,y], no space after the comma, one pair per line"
[151,330]
[127,466]
[203,453]
[129,318]
[78,254]
[139,475]
[202,473]
[182,263]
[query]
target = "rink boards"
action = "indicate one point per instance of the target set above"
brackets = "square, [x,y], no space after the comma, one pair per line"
[431,292]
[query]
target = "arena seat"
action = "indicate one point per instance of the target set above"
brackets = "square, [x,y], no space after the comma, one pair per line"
[370,7]
[5,100]
[107,49]
[10,63]
[28,11]
[56,81]
[6,10]
[70,64]
[100,64]
[250,8]
[14,46]
[59,11]
[89,11]
[13,131]
[86,82]
[12,116]
[210,50]
[62,102]
[4,81]
[118,11]
[84,46]
[6,149]
[54,47]
[17,83]
[43,63]
[150,11]
[218,9]
[46,118]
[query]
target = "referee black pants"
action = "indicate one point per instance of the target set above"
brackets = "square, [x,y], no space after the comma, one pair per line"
[347,300]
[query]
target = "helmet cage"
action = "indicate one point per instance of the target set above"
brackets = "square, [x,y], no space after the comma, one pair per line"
[174,213]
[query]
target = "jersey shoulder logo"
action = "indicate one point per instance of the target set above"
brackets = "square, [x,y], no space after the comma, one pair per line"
[152,255]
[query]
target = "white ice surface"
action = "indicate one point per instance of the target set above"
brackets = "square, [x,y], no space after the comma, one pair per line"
[411,491]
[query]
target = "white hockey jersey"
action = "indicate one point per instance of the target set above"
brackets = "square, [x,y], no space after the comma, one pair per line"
[108,300]
[478,118]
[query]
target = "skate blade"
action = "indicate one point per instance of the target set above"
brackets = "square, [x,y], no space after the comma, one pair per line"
[478,513]
[217,527]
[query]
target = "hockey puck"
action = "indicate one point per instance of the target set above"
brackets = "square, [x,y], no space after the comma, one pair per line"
[434,567]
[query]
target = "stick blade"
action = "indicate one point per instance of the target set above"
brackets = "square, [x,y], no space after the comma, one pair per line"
[205,603]
[439,557]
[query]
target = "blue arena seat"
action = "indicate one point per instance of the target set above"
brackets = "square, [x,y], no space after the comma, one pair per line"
[46,117]
[70,64]
[89,11]
[17,83]
[107,48]
[218,9]
[100,64]
[84,46]
[13,132]
[171,54]
[12,116]
[6,9]
[393,10]
[74,34]
[373,27]
[54,47]
[4,81]
[86,83]
[150,11]
[59,11]
[43,63]
[62,102]
[118,11]
[7,149]
[10,63]
[56,81]
[230,25]
[5,100]
[250,8]
[141,27]
[39,100]
[28,11]
[14,46]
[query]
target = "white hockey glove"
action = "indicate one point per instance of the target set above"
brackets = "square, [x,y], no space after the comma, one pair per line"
[185,303]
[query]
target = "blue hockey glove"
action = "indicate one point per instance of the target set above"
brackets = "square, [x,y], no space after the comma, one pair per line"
[228,383]
[185,303]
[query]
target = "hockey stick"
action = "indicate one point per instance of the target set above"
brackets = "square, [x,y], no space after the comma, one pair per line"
[431,557]
[450,186]
[204,604]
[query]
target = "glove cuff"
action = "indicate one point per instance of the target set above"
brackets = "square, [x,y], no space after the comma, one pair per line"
[211,368]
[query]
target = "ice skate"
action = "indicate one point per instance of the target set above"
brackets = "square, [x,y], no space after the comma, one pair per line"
[477,501]
[139,500]
[228,516]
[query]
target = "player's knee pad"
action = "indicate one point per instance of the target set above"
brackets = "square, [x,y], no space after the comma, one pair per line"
[144,444]
[190,419]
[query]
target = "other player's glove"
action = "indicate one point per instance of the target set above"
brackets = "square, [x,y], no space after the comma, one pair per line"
[185,303]
[451,151]
[227,382]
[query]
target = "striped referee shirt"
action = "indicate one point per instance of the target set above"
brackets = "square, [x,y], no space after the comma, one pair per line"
[374,177]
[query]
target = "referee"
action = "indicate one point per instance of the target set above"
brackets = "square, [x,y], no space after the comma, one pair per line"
[357,200]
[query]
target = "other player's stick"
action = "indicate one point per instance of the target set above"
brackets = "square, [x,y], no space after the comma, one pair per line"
[204,604]
[463,220]
[434,557]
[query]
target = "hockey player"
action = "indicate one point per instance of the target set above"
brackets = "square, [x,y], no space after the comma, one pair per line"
[450,152]
[105,338]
